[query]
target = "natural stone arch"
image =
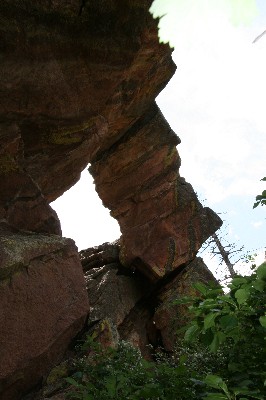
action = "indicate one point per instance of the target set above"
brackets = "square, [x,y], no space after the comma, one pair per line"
[79,86]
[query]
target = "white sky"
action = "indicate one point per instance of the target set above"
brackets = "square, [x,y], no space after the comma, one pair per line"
[216,105]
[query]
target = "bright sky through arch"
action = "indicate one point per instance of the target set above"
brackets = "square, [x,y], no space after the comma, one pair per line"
[197,12]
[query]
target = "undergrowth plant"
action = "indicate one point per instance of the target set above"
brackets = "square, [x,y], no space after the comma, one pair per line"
[236,323]
[124,374]
[222,355]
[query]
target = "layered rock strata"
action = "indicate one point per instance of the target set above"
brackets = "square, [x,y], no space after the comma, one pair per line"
[79,85]
[163,224]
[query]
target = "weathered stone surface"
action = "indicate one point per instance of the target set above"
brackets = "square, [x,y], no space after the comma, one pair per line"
[79,83]
[99,256]
[22,204]
[113,291]
[162,222]
[142,312]
[75,79]
[44,304]
[169,318]
[151,321]
[105,333]
[138,327]
[119,298]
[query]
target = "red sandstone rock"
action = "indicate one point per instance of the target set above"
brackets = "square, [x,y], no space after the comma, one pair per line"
[78,84]
[169,318]
[44,304]
[112,289]
[75,81]
[83,91]
[22,204]
[163,224]
[118,304]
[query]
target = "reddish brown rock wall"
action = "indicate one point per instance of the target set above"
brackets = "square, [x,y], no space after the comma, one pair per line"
[169,318]
[137,310]
[74,82]
[78,82]
[79,86]
[162,222]
[44,304]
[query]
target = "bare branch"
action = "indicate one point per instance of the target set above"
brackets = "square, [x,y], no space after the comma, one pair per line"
[258,37]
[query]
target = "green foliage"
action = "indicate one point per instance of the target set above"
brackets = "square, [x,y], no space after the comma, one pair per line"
[124,374]
[222,356]
[261,198]
[236,323]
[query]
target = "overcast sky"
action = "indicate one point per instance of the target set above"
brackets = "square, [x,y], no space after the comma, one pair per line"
[216,105]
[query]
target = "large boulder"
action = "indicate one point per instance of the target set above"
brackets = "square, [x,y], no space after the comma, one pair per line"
[44,304]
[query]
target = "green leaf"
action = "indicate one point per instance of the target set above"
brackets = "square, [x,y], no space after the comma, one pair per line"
[241,296]
[238,280]
[261,271]
[209,320]
[254,394]
[214,344]
[255,205]
[259,285]
[110,384]
[234,367]
[263,179]
[207,337]
[263,321]
[228,300]
[228,322]
[200,287]
[192,333]
[74,383]
[221,337]
[215,396]
[216,382]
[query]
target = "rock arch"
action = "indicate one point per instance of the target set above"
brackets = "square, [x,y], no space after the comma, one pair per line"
[78,86]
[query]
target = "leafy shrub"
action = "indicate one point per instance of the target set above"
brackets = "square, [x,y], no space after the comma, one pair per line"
[222,356]
[124,374]
[260,198]
[236,323]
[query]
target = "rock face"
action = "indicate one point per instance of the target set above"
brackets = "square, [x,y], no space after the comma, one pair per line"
[126,305]
[43,306]
[113,290]
[162,222]
[74,80]
[78,85]
[169,317]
